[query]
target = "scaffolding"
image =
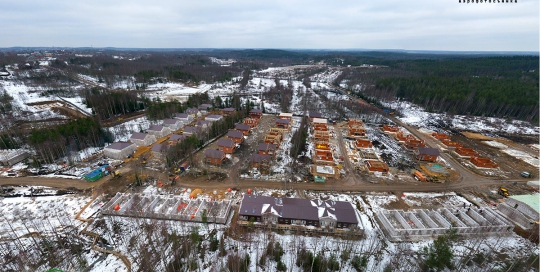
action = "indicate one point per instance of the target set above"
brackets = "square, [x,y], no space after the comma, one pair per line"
[403,225]
[168,207]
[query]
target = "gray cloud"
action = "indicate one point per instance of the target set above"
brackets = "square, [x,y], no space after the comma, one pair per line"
[419,24]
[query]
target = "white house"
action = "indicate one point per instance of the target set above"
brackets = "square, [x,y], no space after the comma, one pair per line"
[173,124]
[119,150]
[213,118]
[159,131]
[184,117]
[142,139]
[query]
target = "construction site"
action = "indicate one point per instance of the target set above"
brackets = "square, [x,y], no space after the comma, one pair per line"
[169,207]
[422,223]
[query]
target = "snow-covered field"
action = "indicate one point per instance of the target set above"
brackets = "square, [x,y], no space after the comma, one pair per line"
[55,215]
[417,116]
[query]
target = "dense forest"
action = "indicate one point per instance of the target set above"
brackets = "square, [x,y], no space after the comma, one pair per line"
[107,104]
[488,86]
[55,142]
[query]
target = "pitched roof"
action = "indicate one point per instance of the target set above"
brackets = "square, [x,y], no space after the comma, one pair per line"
[428,151]
[138,136]
[177,137]
[204,106]
[182,115]
[191,129]
[228,109]
[235,134]
[170,121]
[213,153]
[255,111]
[160,148]
[315,115]
[283,121]
[242,127]
[259,157]
[225,142]
[119,145]
[155,128]
[265,146]
[214,116]
[201,123]
[297,208]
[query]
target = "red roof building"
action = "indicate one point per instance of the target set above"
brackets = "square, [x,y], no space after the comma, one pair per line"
[484,162]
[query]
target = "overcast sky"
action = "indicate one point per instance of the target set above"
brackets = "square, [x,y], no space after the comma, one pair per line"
[313,24]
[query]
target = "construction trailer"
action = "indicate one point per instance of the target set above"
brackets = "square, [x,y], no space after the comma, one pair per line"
[98,173]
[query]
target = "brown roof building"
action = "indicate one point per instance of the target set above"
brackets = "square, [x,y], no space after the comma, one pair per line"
[226,145]
[484,162]
[236,136]
[267,149]
[377,166]
[426,154]
[299,213]
[216,157]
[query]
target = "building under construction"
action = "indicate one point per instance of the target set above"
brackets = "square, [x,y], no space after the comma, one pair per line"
[168,207]
[404,225]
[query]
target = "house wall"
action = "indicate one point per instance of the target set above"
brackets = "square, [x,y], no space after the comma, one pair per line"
[119,154]
[424,157]
[236,140]
[216,161]
[226,149]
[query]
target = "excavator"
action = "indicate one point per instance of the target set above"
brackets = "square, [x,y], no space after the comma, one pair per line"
[503,191]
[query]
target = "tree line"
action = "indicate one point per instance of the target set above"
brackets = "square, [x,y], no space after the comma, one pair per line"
[56,142]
